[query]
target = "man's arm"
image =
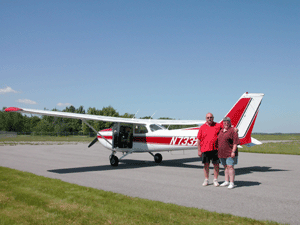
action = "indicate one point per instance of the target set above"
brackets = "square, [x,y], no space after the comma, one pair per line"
[199,148]
[198,142]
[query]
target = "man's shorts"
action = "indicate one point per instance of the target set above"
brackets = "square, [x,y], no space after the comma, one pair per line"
[210,156]
[229,161]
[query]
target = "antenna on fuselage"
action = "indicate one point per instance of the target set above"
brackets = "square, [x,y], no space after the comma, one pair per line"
[135,114]
[152,115]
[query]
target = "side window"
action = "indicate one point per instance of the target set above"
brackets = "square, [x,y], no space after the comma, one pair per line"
[140,129]
[154,127]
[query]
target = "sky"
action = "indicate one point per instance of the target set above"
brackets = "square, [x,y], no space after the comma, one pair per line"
[177,59]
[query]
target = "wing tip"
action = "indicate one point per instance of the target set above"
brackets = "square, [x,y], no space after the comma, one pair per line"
[13,109]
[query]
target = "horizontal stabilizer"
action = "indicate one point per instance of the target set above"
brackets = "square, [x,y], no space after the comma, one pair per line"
[253,142]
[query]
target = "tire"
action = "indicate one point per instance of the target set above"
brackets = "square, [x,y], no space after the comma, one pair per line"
[158,158]
[114,161]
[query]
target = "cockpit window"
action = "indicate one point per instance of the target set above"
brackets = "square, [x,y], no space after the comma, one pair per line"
[140,129]
[155,127]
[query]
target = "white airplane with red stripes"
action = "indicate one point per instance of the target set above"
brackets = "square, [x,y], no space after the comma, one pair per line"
[131,135]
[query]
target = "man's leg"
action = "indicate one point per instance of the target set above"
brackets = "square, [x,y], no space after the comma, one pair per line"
[216,174]
[216,171]
[206,170]
[206,174]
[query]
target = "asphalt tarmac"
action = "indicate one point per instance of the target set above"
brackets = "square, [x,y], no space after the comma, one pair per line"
[267,185]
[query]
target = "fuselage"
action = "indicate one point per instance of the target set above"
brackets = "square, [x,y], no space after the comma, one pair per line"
[151,138]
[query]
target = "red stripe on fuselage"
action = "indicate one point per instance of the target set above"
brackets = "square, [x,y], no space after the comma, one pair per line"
[150,140]
[106,137]
[108,129]
[153,140]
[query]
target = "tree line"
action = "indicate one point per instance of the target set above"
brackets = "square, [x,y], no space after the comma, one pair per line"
[44,125]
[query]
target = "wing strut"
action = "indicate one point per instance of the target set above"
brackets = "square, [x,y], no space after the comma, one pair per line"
[93,142]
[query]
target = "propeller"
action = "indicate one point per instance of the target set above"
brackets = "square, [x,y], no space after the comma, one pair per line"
[93,142]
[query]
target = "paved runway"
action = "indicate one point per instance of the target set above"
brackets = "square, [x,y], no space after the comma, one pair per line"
[267,185]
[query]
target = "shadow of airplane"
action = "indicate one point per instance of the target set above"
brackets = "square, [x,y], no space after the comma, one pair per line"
[180,163]
[132,164]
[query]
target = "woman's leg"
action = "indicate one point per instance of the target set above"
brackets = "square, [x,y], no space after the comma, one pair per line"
[231,173]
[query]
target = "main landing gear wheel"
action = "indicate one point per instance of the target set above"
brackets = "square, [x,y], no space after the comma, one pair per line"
[114,161]
[158,158]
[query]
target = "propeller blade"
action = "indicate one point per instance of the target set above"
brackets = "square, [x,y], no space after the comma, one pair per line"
[93,142]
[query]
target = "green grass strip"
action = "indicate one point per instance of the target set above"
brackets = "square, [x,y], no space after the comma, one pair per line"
[26,198]
[31,138]
[262,137]
[288,148]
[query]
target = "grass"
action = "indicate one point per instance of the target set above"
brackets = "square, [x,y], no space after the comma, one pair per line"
[289,148]
[263,137]
[29,199]
[32,138]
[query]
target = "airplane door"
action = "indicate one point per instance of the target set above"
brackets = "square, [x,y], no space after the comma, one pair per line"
[115,138]
[122,135]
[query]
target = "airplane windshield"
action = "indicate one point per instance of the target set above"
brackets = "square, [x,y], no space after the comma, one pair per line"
[155,127]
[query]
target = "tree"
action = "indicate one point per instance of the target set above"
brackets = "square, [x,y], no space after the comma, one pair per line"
[44,127]
[99,125]
[12,121]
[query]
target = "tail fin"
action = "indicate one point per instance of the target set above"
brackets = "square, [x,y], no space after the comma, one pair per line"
[243,115]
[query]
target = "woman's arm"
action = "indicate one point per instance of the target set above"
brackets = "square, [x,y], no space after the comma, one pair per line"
[233,151]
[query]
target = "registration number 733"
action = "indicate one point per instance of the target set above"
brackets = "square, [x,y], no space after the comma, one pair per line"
[186,141]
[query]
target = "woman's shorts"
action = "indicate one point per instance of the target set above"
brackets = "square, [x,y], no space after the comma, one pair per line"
[229,161]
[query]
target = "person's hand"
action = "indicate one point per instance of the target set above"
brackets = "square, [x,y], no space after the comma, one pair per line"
[232,154]
[200,154]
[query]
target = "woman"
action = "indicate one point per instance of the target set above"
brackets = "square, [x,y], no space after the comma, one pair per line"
[228,141]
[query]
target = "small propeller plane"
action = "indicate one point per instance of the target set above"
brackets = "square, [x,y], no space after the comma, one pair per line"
[131,135]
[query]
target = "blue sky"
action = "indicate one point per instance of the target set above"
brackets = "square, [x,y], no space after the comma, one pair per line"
[178,59]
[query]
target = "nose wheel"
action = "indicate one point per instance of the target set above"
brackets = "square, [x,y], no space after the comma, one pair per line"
[114,161]
[158,158]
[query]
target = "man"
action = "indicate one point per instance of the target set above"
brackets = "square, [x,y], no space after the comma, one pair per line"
[207,149]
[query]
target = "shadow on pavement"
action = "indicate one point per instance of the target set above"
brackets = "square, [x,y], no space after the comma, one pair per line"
[183,163]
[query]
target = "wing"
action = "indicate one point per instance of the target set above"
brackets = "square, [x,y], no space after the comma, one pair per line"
[103,118]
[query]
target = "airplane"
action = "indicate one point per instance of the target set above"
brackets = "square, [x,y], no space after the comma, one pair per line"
[132,135]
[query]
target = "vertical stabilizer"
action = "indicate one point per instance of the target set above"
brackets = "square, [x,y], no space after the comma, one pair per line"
[243,115]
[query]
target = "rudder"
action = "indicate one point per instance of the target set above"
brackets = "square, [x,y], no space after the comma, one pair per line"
[243,115]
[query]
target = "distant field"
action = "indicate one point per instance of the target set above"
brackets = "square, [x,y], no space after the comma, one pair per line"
[292,148]
[263,137]
[31,138]
[289,148]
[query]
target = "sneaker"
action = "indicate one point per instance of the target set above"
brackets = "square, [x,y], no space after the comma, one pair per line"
[216,183]
[225,183]
[231,185]
[205,183]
